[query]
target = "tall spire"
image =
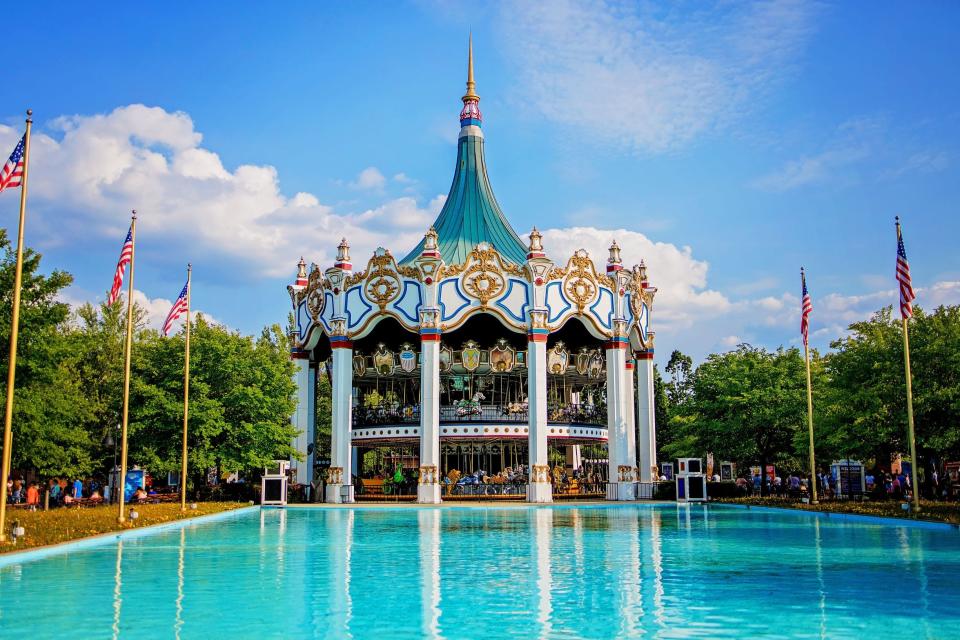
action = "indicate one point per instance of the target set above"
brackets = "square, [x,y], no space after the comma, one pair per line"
[470,115]
[471,85]
[471,214]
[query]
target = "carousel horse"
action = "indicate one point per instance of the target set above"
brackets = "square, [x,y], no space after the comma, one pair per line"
[470,407]
[515,408]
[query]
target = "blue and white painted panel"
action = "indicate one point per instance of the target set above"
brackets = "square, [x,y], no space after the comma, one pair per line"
[303,321]
[407,306]
[326,316]
[628,308]
[557,303]
[515,301]
[643,321]
[355,307]
[451,299]
[602,309]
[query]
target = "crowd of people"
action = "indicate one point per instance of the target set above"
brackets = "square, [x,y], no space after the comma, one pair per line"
[60,492]
[878,484]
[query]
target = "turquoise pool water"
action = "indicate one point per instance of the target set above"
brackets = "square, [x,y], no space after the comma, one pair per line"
[565,572]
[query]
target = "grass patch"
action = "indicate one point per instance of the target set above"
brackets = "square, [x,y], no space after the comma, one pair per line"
[932,511]
[64,524]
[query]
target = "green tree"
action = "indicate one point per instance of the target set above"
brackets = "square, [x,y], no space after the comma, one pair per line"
[48,404]
[866,414]
[241,398]
[746,405]
[680,369]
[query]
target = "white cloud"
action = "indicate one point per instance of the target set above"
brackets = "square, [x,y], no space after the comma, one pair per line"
[682,280]
[156,308]
[849,143]
[370,178]
[805,171]
[921,162]
[650,78]
[854,147]
[731,341]
[94,169]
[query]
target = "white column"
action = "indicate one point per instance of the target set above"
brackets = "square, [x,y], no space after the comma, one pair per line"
[629,414]
[621,481]
[301,415]
[340,433]
[311,423]
[646,416]
[539,489]
[428,489]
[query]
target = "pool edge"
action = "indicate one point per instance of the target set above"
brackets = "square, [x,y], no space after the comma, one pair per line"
[39,553]
[846,516]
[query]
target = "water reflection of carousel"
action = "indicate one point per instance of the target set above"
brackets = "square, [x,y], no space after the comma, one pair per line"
[477,353]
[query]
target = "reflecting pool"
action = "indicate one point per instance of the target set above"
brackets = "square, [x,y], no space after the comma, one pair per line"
[567,571]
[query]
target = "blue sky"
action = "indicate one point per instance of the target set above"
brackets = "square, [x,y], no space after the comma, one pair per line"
[727,144]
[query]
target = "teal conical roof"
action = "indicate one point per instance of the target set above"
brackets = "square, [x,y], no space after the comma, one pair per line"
[471,214]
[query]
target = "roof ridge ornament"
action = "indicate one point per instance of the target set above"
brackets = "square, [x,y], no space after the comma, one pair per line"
[470,115]
[614,262]
[301,273]
[343,256]
[535,249]
[642,273]
[430,247]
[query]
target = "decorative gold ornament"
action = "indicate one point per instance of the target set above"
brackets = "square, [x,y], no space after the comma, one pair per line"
[446,359]
[470,356]
[408,358]
[383,283]
[502,357]
[408,272]
[428,474]
[541,473]
[596,365]
[580,284]
[314,293]
[583,361]
[484,278]
[359,365]
[557,359]
[383,360]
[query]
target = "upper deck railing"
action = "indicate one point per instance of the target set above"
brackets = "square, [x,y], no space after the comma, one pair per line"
[471,412]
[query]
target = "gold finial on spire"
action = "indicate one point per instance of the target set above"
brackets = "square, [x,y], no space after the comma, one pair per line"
[471,85]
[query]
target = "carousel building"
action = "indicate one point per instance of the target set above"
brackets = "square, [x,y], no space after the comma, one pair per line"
[476,350]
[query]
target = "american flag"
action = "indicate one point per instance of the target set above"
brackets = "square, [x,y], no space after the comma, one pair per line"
[903,277]
[12,173]
[178,309]
[126,254]
[806,306]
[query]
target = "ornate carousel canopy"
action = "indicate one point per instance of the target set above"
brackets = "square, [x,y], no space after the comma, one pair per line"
[469,262]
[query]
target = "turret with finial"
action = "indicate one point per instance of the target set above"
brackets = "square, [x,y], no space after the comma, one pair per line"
[535,249]
[343,256]
[301,273]
[470,115]
[614,262]
[431,248]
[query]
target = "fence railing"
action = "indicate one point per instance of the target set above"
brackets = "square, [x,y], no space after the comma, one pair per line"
[568,413]
[469,411]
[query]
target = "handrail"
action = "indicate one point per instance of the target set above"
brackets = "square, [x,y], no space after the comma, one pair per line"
[467,411]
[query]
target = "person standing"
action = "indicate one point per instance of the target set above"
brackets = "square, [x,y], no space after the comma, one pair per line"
[33,495]
[77,488]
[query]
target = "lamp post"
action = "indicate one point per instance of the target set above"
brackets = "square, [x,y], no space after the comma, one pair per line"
[108,441]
